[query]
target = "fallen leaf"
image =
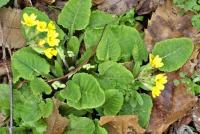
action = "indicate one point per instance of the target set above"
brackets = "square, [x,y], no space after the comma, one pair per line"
[196,116]
[56,123]
[10,22]
[173,103]
[124,124]
[51,12]
[3,70]
[97,2]
[147,6]
[166,23]
[117,6]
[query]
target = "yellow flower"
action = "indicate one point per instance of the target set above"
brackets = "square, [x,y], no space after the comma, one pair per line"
[161,79]
[51,26]
[52,33]
[41,42]
[29,20]
[41,26]
[50,52]
[155,92]
[53,41]
[155,61]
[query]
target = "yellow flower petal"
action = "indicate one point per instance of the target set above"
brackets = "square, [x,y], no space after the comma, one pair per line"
[41,42]
[41,26]
[161,79]
[155,61]
[50,52]
[155,92]
[51,26]
[53,41]
[52,33]
[29,20]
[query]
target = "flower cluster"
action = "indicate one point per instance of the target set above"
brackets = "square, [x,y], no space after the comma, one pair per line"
[50,41]
[155,61]
[160,80]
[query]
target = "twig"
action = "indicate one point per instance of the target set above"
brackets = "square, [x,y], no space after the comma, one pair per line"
[10,80]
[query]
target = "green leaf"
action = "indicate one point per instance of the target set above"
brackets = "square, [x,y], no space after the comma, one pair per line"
[3,2]
[129,38]
[99,129]
[57,70]
[92,37]
[92,96]
[99,19]
[75,15]
[29,64]
[108,48]
[4,98]
[73,45]
[174,52]
[144,111]
[113,103]
[74,95]
[38,86]
[113,75]
[46,107]
[65,110]
[80,125]
[196,21]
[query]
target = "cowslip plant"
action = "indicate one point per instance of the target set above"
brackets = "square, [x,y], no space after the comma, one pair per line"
[85,68]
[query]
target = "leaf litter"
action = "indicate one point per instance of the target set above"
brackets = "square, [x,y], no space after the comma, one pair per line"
[174,102]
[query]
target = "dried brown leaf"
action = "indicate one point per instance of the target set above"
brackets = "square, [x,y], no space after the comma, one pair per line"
[10,22]
[173,103]
[147,6]
[56,123]
[97,2]
[123,124]
[117,6]
[167,23]
[196,116]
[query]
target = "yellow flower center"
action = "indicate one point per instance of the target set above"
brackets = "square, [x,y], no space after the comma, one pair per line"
[155,61]
[41,26]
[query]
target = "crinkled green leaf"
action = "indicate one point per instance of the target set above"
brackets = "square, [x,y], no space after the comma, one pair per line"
[92,96]
[113,75]
[39,86]
[108,48]
[99,19]
[73,45]
[142,111]
[29,64]
[72,92]
[80,125]
[114,102]
[3,2]
[174,52]
[75,15]
[129,38]
[92,37]
[46,107]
